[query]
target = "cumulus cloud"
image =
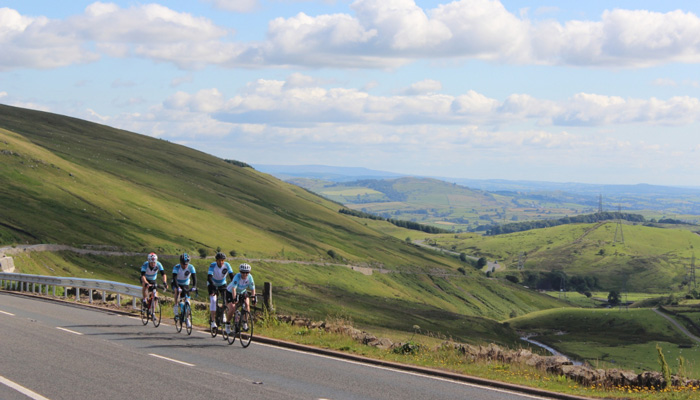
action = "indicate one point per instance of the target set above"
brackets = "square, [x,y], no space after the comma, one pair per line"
[372,34]
[303,101]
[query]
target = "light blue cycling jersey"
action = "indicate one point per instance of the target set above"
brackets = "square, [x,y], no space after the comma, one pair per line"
[151,272]
[218,275]
[183,274]
[241,284]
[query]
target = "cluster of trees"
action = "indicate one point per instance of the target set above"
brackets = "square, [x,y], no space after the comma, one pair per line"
[578,219]
[558,280]
[403,224]
[238,163]
[384,186]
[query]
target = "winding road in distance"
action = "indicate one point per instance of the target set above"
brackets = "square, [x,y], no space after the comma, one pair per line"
[54,350]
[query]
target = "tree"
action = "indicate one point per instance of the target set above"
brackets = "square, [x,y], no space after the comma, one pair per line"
[481,263]
[203,253]
[614,298]
[462,257]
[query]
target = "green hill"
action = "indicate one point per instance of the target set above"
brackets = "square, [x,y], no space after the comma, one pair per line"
[69,181]
[650,259]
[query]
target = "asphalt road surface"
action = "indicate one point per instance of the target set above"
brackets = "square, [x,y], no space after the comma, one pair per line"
[52,350]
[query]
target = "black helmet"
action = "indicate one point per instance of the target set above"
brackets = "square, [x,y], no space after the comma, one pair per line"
[184,258]
[220,256]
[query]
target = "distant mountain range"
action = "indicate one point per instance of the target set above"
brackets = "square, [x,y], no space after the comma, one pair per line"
[350,174]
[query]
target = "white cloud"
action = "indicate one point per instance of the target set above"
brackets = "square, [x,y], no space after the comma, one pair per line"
[241,6]
[425,86]
[374,34]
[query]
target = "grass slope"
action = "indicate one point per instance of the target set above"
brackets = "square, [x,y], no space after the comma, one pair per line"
[73,182]
[650,259]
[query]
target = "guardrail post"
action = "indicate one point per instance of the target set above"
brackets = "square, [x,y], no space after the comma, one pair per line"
[77,294]
[65,292]
[119,300]
[104,296]
[133,302]
[267,296]
[90,296]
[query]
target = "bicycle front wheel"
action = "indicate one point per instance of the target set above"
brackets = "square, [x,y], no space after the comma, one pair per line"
[178,323]
[155,307]
[144,314]
[246,336]
[188,319]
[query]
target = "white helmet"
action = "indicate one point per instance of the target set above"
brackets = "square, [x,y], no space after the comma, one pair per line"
[152,257]
[244,267]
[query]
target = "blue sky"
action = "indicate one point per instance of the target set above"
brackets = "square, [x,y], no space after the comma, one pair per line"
[593,92]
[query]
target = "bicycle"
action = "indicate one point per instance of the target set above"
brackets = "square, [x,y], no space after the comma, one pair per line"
[152,307]
[240,317]
[185,312]
[220,312]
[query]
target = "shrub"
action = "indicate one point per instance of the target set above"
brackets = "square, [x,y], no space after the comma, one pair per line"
[233,253]
[513,278]
[203,253]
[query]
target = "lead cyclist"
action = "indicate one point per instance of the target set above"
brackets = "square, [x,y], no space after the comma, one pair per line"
[241,283]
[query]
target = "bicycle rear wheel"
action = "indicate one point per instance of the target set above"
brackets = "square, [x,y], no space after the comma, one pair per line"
[187,318]
[155,306]
[246,336]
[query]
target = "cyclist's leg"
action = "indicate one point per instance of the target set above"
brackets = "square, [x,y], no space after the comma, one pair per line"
[145,292]
[230,307]
[212,303]
[246,306]
[176,304]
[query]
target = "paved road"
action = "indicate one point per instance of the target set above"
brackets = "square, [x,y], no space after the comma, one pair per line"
[64,351]
[677,325]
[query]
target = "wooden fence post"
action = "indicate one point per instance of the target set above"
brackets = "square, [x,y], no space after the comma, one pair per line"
[267,296]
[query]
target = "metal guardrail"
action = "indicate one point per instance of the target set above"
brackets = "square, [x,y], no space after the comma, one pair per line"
[21,283]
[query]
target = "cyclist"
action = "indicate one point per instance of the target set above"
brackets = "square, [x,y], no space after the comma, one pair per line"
[241,283]
[149,271]
[181,282]
[216,282]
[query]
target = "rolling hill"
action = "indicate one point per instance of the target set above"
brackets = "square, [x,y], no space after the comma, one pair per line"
[69,181]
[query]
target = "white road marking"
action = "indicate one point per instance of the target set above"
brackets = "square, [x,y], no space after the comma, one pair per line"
[22,389]
[68,330]
[172,360]
[7,313]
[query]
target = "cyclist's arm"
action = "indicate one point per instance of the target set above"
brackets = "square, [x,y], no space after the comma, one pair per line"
[174,282]
[210,280]
[194,280]
[143,278]
[165,280]
[230,276]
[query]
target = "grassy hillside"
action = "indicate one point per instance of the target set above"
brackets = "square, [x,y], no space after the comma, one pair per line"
[73,182]
[650,259]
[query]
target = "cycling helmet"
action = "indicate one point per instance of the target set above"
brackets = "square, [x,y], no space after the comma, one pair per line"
[184,258]
[244,267]
[220,256]
[152,257]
